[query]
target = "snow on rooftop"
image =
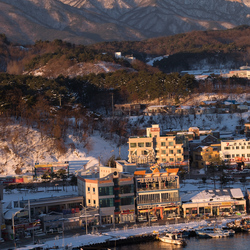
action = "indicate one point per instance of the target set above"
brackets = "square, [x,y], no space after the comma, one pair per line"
[237,193]
[216,195]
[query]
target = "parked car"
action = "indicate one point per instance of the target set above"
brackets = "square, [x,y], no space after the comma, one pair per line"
[141,218]
[153,218]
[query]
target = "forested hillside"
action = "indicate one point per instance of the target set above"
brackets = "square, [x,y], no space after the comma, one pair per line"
[222,48]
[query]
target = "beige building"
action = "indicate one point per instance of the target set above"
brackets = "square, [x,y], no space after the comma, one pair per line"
[155,147]
[113,195]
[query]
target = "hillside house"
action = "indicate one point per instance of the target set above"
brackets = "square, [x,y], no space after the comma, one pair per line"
[156,109]
[129,109]
[205,155]
[184,110]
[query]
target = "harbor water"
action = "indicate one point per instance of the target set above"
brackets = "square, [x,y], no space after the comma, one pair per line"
[240,241]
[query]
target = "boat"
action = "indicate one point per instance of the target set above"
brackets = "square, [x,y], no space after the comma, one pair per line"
[204,233]
[172,238]
[215,232]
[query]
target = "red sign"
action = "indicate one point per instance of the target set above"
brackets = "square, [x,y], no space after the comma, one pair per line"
[155,129]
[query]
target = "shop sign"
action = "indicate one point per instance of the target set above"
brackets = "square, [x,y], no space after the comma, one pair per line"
[226,203]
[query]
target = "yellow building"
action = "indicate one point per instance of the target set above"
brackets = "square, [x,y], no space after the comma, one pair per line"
[155,147]
[205,155]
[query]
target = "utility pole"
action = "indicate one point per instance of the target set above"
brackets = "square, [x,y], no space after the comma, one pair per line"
[112,105]
[86,220]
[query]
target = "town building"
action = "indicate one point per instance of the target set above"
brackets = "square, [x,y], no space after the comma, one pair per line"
[28,216]
[216,202]
[247,130]
[113,195]
[242,72]
[236,152]
[157,193]
[120,166]
[154,147]
[206,155]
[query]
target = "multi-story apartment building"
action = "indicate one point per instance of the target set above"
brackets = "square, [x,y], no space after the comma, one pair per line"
[236,151]
[155,147]
[112,194]
[206,155]
[157,193]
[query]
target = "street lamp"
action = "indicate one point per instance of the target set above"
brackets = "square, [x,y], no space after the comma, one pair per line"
[85,215]
[13,227]
[62,219]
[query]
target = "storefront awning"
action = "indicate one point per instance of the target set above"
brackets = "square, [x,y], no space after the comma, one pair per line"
[170,208]
[12,212]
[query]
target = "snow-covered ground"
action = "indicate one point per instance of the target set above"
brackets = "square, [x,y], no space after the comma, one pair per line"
[32,148]
[85,240]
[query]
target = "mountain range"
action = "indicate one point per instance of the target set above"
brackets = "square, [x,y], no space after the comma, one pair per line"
[86,22]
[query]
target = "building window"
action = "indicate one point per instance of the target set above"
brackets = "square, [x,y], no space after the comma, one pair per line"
[133,145]
[93,190]
[148,144]
[171,159]
[106,202]
[126,189]
[106,191]
[88,189]
[237,155]
[171,151]
[94,202]
[179,159]
[243,155]
[127,200]
[227,156]
[226,148]
[178,151]
[145,152]
[171,143]
[248,155]
[140,144]
[233,155]
[248,147]
[163,159]
[237,147]
[163,152]
[89,201]
[243,147]
[163,143]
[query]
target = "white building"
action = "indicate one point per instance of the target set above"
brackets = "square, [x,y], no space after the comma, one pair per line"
[213,202]
[236,151]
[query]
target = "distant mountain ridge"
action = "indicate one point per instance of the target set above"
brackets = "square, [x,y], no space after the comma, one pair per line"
[85,21]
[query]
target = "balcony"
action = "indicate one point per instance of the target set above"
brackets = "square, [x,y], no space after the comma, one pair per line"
[150,187]
[149,201]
